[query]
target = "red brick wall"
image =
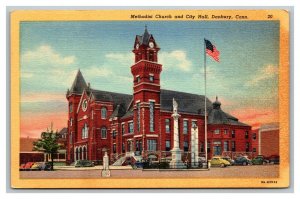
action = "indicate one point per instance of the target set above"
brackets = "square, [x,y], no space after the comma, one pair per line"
[269,142]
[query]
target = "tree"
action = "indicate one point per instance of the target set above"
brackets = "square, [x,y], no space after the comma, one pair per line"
[48,143]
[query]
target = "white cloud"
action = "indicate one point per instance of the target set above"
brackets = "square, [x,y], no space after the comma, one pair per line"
[124,58]
[95,71]
[46,55]
[263,74]
[176,59]
[26,75]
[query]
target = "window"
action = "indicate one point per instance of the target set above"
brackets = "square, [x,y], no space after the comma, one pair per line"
[128,145]
[84,105]
[247,146]
[226,146]
[138,79]
[123,147]
[254,150]
[151,78]
[185,146]
[130,127]
[85,132]
[71,138]
[123,129]
[168,145]
[208,147]
[233,145]
[185,126]
[246,134]
[225,131]
[114,148]
[233,133]
[138,116]
[217,131]
[151,144]
[71,121]
[167,123]
[71,107]
[114,134]
[152,116]
[103,113]
[254,136]
[194,123]
[201,147]
[103,133]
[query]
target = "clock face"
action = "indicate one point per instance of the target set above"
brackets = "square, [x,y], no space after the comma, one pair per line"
[151,44]
[137,46]
[84,105]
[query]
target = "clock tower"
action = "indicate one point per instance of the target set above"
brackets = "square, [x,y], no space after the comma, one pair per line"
[146,93]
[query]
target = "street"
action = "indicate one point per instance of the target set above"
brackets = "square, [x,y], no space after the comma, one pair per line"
[268,171]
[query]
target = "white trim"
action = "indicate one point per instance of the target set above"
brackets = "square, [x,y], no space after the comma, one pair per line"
[145,61]
[148,83]
[146,90]
[194,120]
[151,100]
[186,119]
[130,121]
[137,75]
[151,135]
[151,74]
[137,136]
[79,105]
[137,101]
[270,129]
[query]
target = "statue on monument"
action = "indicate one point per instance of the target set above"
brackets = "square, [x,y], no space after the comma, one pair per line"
[175,106]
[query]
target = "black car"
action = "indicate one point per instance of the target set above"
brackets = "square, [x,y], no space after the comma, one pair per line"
[84,163]
[242,161]
[274,159]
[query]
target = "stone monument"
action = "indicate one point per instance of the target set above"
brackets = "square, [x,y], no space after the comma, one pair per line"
[194,146]
[105,170]
[176,162]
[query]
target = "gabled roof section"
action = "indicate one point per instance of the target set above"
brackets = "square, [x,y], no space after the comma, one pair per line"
[78,85]
[187,102]
[116,98]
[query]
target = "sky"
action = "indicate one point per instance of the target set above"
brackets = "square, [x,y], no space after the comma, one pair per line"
[245,80]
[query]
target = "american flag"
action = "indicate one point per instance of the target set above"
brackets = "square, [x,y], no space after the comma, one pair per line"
[212,51]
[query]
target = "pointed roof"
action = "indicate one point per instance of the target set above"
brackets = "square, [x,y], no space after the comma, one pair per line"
[78,85]
[144,39]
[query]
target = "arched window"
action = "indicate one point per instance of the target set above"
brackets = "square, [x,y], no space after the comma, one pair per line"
[85,131]
[103,133]
[103,113]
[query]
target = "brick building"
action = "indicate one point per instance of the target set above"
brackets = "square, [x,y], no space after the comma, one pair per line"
[268,139]
[142,122]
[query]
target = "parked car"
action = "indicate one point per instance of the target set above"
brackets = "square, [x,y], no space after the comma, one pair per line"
[84,163]
[242,161]
[259,160]
[28,166]
[231,161]
[41,166]
[219,161]
[22,167]
[274,159]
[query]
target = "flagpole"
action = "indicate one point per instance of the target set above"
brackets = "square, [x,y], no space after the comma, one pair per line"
[205,117]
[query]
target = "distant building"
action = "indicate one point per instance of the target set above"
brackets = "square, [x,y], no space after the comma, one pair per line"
[268,139]
[141,123]
[26,152]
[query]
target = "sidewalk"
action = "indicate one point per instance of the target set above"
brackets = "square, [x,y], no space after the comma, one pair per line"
[98,167]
